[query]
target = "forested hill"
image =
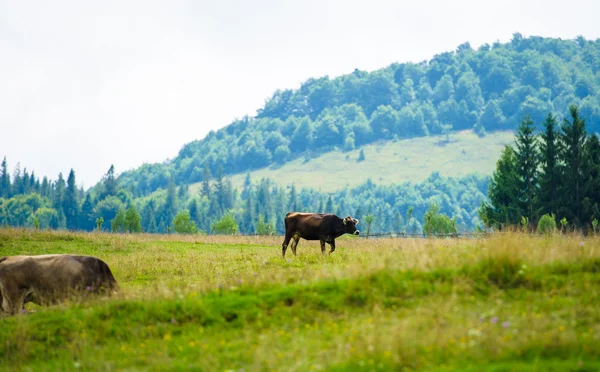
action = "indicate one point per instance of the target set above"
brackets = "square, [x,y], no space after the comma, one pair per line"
[487,89]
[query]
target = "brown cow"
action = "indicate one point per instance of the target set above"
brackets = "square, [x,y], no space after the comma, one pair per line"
[316,226]
[48,279]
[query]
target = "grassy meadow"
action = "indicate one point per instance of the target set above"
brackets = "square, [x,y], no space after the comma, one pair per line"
[465,153]
[217,303]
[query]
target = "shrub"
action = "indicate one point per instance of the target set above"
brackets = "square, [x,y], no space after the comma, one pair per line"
[226,225]
[546,224]
[183,224]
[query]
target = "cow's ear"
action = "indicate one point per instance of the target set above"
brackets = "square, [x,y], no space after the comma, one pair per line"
[345,221]
[355,221]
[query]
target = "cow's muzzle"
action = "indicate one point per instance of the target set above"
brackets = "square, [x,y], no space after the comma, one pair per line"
[356,232]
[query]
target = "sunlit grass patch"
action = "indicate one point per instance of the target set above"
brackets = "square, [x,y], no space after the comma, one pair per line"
[510,301]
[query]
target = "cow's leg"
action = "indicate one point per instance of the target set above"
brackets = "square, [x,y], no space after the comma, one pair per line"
[295,240]
[332,244]
[286,241]
[322,246]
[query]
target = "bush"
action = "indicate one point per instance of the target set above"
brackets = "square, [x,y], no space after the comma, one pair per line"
[183,224]
[264,228]
[226,225]
[546,224]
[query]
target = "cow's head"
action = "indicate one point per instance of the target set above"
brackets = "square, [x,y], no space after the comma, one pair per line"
[350,225]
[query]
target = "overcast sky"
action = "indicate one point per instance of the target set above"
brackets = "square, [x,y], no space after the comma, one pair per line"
[87,84]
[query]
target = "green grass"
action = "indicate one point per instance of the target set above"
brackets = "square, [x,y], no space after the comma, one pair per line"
[510,302]
[390,162]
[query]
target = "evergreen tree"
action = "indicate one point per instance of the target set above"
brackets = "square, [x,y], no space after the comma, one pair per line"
[205,189]
[247,186]
[329,206]
[550,177]
[109,182]
[591,187]
[526,154]
[170,207]
[149,217]
[70,204]
[293,203]
[504,207]
[4,181]
[45,188]
[220,190]
[16,180]
[249,212]
[573,138]
[59,193]
[86,217]
[264,203]
[24,184]
[194,214]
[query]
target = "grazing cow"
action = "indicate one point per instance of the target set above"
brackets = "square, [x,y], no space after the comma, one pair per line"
[316,226]
[48,279]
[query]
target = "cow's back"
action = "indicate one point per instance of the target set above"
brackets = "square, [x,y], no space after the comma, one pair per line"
[309,226]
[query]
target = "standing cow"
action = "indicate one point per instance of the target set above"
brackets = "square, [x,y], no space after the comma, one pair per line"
[316,226]
[48,279]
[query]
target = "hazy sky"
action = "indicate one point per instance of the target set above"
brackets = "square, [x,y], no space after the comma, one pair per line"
[87,84]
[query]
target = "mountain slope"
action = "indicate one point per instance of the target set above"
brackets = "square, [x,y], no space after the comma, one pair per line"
[487,89]
[389,162]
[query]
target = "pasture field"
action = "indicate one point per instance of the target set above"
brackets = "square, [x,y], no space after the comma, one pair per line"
[217,303]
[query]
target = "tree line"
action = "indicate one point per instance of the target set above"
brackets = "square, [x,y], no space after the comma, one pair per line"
[555,174]
[487,89]
[259,207]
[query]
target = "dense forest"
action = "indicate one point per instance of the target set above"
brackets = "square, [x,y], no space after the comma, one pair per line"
[259,207]
[554,174]
[528,81]
[487,89]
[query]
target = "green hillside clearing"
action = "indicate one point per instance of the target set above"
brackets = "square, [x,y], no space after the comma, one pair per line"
[390,162]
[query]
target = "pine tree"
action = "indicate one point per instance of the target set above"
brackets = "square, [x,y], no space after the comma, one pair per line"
[293,204]
[550,177]
[24,182]
[264,202]
[109,182]
[149,217]
[4,180]
[249,212]
[70,204]
[205,189]
[591,187]
[16,180]
[247,186]
[220,190]
[193,207]
[526,153]
[170,208]
[573,138]
[33,183]
[504,207]
[45,188]
[329,206]
[86,217]
[59,193]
